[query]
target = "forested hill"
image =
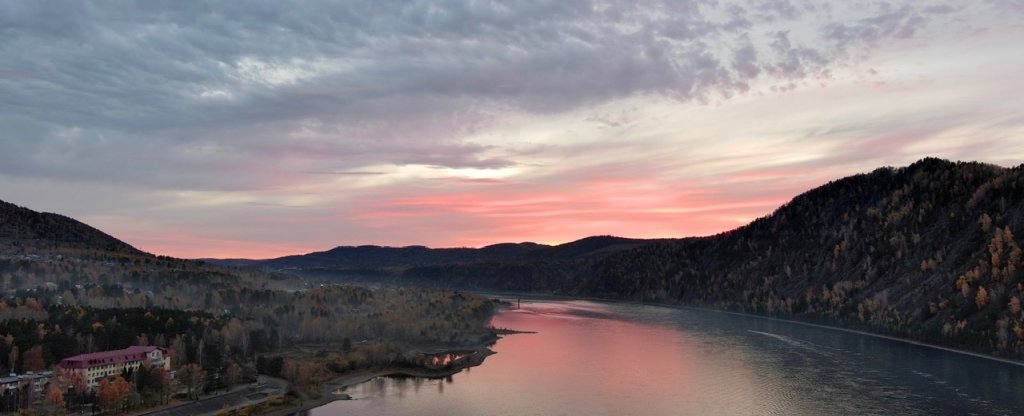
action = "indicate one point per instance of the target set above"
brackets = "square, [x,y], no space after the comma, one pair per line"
[928,251]
[28,227]
[56,253]
[369,256]
[363,258]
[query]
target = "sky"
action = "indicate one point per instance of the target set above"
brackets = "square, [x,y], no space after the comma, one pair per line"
[261,129]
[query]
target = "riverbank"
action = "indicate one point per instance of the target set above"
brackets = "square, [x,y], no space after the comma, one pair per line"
[545,296]
[333,390]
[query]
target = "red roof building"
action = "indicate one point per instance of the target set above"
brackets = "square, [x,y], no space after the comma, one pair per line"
[95,366]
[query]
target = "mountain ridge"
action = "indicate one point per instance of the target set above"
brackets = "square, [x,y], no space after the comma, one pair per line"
[371,256]
[926,251]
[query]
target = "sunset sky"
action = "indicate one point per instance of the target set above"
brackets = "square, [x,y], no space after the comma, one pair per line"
[260,129]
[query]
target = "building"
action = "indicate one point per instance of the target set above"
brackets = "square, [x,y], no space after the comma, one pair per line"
[95,366]
[35,381]
[18,390]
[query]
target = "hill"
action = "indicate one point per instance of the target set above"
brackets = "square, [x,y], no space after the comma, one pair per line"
[374,259]
[43,254]
[928,251]
[30,228]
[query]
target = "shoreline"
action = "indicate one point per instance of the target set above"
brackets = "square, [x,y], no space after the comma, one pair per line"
[362,376]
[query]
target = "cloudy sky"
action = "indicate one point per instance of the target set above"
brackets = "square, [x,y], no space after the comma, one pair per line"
[259,129]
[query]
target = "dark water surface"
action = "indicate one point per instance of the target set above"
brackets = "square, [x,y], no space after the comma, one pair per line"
[591,358]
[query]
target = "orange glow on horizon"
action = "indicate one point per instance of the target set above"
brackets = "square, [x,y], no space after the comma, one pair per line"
[506,213]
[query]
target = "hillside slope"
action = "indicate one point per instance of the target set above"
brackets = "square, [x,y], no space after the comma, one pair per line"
[28,227]
[56,253]
[926,251]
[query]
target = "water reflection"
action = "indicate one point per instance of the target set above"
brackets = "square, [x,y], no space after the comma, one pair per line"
[618,359]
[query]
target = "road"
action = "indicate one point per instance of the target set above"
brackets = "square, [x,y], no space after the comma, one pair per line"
[243,396]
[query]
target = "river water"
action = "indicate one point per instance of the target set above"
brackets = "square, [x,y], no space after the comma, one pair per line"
[592,358]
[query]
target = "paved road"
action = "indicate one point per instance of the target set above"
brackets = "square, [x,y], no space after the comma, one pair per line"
[241,396]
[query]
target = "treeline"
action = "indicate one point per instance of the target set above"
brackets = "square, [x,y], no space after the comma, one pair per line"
[248,323]
[42,269]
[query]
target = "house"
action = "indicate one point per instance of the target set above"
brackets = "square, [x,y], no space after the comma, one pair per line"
[95,366]
[16,384]
[9,384]
[36,381]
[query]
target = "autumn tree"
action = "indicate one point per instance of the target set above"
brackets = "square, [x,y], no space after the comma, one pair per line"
[106,395]
[33,359]
[232,375]
[122,388]
[12,358]
[76,385]
[982,298]
[192,377]
[53,401]
[162,383]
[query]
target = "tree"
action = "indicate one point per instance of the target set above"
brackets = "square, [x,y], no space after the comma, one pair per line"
[54,403]
[106,395]
[122,388]
[982,298]
[112,393]
[162,382]
[12,358]
[232,375]
[192,377]
[77,382]
[33,359]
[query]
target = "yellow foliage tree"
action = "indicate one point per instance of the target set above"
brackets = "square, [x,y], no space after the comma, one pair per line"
[982,298]
[54,396]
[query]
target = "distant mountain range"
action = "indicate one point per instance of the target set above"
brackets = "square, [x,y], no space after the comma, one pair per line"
[374,257]
[928,252]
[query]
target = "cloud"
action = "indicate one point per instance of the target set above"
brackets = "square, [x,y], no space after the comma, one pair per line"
[219,115]
[165,94]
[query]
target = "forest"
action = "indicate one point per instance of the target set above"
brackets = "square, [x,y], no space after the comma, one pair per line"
[69,289]
[241,334]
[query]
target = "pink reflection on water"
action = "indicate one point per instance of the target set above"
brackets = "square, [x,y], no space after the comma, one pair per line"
[616,355]
[585,360]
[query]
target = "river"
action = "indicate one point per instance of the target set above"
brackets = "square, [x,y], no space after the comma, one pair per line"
[594,358]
